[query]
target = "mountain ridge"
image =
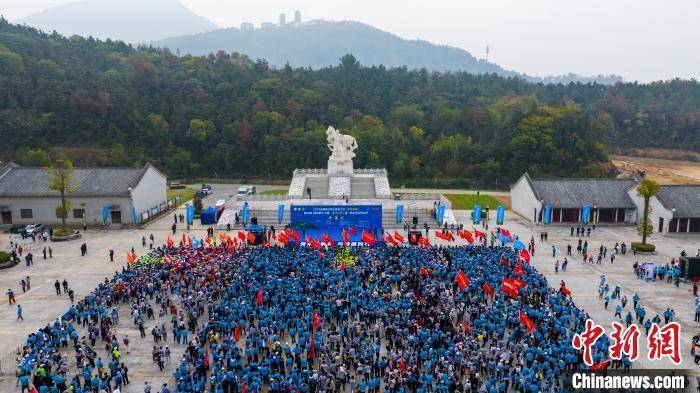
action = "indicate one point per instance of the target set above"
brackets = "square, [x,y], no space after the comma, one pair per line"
[132,21]
[320,43]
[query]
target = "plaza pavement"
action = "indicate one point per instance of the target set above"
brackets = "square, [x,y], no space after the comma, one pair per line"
[42,305]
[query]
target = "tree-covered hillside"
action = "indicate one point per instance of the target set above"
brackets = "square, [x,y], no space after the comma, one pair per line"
[107,103]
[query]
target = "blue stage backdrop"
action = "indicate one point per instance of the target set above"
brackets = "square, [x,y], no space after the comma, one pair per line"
[336,216]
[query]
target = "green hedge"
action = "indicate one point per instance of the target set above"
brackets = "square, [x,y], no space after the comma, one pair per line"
[59,232]
[5,256]
[643,247]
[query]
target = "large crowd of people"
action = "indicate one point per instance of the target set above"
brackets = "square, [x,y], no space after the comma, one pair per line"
[297,318]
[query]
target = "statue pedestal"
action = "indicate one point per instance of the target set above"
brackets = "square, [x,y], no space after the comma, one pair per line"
[339,166]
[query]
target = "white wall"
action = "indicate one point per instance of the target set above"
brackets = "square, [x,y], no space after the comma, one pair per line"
[657,210]
[523,200]
[44,209]
[149,193]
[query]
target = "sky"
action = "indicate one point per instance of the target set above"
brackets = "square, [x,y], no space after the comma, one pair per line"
[642,40]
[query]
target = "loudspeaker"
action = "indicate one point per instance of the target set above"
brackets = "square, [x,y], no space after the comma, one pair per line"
[415,220]
[690,268]
[414,237]
[254,221]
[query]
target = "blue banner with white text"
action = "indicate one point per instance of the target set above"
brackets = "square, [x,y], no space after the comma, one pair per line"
[476,214]
[440,213]
[586,214]
[336,216]
[547,214]
[399,213]
[500,215]
[280,213]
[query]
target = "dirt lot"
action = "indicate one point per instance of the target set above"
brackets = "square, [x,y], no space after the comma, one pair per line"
[662,170]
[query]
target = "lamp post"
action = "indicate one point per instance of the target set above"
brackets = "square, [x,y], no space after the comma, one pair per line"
[131,199]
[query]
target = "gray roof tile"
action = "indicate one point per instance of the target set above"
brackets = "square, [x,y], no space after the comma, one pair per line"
[32,181]
[684,198]
[574,193]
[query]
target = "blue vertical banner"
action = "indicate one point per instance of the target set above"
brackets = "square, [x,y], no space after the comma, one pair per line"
[280,213]
[399,213]
[500,215]
[547,214]
[476,214]
[190,214]
[105,213]
[440,213]
[586,214]
[136,216]
[245,213]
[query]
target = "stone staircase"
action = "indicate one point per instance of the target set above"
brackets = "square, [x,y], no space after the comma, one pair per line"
[362,187]
[318,185]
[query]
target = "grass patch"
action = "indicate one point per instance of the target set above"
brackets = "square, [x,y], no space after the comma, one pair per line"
[185,194]
[60,232]
[5,256]
[648,247]
[467,201]
[274,192]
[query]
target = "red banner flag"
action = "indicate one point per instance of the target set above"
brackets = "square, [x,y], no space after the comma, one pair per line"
[402,365]
[519,268]
[295,235]
[251,237]
[342,266]
[600,366]
[169,241]
[168,259]
[525,255]
[487,288]
[468,237]
[260,296]
[517,282]
[237,333]
[479,234]
[241,235]
[525,320]
[465,326]
[368,238]
[352,230]
[391,240]
[312,348]
[509,287]
[462,280]
[398,237]
[346,237]
[564,289]
[504,262]
[317,322]
[424,272]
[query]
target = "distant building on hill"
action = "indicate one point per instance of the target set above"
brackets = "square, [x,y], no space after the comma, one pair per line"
[245,26]
[283,19]
[297,17]
[266,25]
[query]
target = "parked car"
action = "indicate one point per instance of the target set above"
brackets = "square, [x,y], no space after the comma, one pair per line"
[251,190]
[206,188]
[34,229]
[176,186]
[242,192]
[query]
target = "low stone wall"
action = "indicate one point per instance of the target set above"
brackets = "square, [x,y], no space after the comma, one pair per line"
[66,237]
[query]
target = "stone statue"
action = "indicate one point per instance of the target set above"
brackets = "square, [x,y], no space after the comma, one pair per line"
[342,146]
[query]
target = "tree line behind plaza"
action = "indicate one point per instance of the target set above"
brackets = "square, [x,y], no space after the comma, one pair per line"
[108,103]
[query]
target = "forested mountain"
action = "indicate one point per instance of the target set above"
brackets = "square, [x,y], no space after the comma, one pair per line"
[107,103]
[128,20]
[320,43]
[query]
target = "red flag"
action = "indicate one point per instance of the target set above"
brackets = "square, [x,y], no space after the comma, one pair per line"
[170,241]
[189,242]
[237,332]
[519,268]
[283,238]
[518,282]
[487,288]
[505,232]
[424,272]
[468,236]
[312,348]
[462,280]
[241,235]
[266,244]
[368,238]
[207,240]
[296,236]
[525,255]
[479,234]
[504,262]
[525,320]
[600,366]
[317,322]
[321,255]
[424,241]
[168,259]
[273,235]
[346,237]
[564,289]
[398,237]
[251,237]
[391,240]
[402,365]
[352,231]
[260,296]
[509,287]
[184,239]
[465,326]
[342,266]
[244,387]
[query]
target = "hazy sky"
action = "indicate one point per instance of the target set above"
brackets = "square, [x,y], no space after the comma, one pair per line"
[639,39]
